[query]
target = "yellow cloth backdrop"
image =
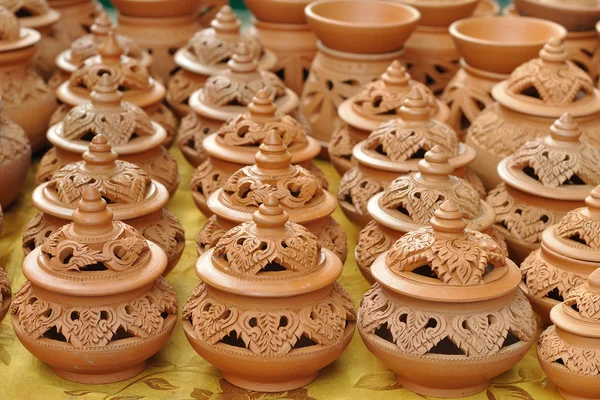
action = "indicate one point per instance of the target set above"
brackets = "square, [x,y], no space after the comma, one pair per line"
[177,372]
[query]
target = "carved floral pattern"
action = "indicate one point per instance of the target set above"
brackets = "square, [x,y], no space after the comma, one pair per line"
[587,302]
[210,48]
[181,86]
[222,90]
[376,99]
[207,179]
[341,145]
[22,85]
[575,224]
[166,232]
[356,189]
[5,291]
[26,7]
[192,132]
[242,130]
[87,46]
[579,360]
[209,235]
[371,243]
[162,168]
[13,141]
[165,118]
[129,76]
[36,232]
[435,70]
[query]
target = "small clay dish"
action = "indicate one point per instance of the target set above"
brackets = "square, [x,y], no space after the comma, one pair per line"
[442,13]
[573,17]
[157,8]
[278,11]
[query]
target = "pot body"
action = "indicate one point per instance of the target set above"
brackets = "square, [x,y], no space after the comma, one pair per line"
[13,172]
[76,16]
[340,147]
[181,86]
[54,41]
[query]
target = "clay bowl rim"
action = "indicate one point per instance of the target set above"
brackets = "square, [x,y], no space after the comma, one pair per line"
[555,12]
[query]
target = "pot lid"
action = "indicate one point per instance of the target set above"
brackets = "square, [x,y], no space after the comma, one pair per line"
[446,262]
[237,139]
[12,35]
[409,202]
[209,50]
[94,255]
[125,125]
[229,93]
[297,189]
[131,77]
[253,257]
[549,86]
[398,145]
[128,190]
[381,100]
[558,166]
[32,13]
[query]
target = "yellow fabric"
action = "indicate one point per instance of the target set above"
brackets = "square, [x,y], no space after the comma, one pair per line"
[177,372]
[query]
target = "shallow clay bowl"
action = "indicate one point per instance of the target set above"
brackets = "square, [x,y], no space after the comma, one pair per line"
[156,8]
[501,44]
[362,26]
[575,19]
[278,11]
[442,13]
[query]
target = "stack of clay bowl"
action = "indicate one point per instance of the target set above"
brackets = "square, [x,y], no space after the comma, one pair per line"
[490,49]
[88,45]
[76,16]
[234,146]
[546,178]
[297,189]
[409,202]
[15,158]
[269,313]
[225,96]
[282,27]
[131,132]
[527,103]
[27,99]
[207,54]
[377,102]
[132,196]
[394,149]
[132,78]
[357,42]
[446,314]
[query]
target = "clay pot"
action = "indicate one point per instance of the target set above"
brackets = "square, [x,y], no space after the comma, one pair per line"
[377,102]
[133,136]
[546,178]
[15,158]
[486,8]
[298,190]
[76,16]
[5,294]
[207,53]
[21,88]
[446,314]
[531,99]
[287,316]
[394,149]
[357,42]
[225,96]
[569,350]
[408,203]
[159,26]
[133,197]
[100,282]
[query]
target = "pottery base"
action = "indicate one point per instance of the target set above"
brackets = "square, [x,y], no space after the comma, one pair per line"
[266,386]
[101,378]
[569,396]
[442,393]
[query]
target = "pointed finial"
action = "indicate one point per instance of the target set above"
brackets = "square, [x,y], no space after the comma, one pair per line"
[110,50]
[448,219]
[261,106]
[594,280]
[565,129]
[415,107]
[226,21]
[242,60]
[100,153]
[554,51]
[106,92]
[270,215]
[593,202]
[396,75]
[273,153]
[92,217]
[102,24]
[435,165]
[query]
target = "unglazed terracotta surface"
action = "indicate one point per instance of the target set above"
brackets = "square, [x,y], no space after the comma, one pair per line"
[94,306]
[76,16]
[446,315]
[299,191]
[15,159]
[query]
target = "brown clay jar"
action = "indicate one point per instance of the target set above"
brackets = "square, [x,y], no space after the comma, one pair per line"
[531,99]
[408,203]
[21,88]
[298,190]
[225,96]
[357,42]
[76,16]
[207,54]
[132,134]
[393,149]
[288,316]
[377,102]
[132,196]
[133,79]
[569,350]
[545,179]
[94,306]
[490,49]
[446,314]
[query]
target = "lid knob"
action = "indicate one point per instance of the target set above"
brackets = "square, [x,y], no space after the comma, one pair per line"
[225,21]
[593,201]
[415,107]
[435,165]
[262,106]
[396,75]
[110,50]
[100,153]
[102,24]
[448,219]
[92,217]
[594,280]
[273,153]
[106,92]
[565,129]
[270,215]
[242,60]
[554,51]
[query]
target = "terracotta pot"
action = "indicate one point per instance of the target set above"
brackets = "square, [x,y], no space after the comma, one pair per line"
[100,281]
[207,53]
[377,102]
[531,99]
[134,81]
[133,136]
[298,190]
[546,178]
[486,8]
[565,348]
[409,202]
[394,149]
[357,42]
[431,314]
[76,16]
[5,294]
[226,95]
[293,283]
[21,88]
[133,197]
